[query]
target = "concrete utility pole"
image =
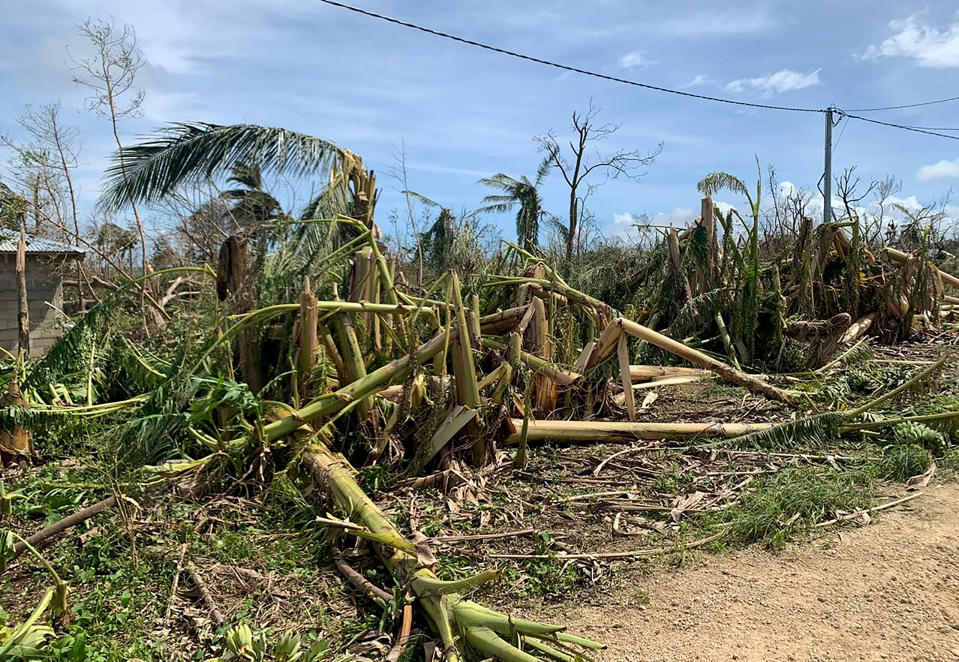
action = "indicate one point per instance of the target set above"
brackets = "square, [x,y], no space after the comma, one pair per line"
[827,177]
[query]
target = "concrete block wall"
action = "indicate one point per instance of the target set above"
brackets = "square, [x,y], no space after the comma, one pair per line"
[43,285]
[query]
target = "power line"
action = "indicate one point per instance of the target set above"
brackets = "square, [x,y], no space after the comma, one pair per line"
[564,67]
[933,128]
[626,81]
[908,105]
[905,127]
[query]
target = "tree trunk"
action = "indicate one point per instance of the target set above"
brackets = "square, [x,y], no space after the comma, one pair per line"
[23,306]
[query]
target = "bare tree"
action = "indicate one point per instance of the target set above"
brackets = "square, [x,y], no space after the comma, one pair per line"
[110,74]
[886,188]
[399,174]
[583,161]
[35,171]
[59,145]
[849,191]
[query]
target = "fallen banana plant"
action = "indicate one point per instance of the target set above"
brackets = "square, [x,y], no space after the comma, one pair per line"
[625,432]
[466,630]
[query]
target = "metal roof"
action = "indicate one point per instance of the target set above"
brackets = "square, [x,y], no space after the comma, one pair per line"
[8,244]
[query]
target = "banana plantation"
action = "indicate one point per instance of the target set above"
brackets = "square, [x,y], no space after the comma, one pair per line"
[312,442]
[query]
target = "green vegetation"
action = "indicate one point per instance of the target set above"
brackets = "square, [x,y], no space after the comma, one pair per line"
[303,451]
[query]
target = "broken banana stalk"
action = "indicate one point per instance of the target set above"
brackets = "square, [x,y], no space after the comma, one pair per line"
[467,630]
[625,432]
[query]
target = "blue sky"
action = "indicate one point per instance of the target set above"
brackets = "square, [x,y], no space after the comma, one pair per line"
[463,113]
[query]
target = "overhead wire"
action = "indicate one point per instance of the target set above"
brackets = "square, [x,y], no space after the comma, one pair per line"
[566,67]
[904,127]
[907,105]
[848,114]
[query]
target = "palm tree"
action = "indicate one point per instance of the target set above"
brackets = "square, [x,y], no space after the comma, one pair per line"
[251,203]
[198,152]
[524,194]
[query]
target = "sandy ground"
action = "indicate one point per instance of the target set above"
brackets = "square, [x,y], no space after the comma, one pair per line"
[886,591]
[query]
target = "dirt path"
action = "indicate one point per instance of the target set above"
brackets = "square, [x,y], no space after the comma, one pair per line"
[887,591]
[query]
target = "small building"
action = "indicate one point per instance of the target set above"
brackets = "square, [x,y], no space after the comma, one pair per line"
[46,261]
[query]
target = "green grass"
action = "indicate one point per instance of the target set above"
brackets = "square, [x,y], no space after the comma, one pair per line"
[787,504]
[118,597]
[901,462]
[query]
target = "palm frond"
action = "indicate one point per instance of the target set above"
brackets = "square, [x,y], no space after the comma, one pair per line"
[500,181]
[496,207]
[247,175]
[543,169]
[717,181]
[192,152]
[809,431]
[422,198]
[698,310]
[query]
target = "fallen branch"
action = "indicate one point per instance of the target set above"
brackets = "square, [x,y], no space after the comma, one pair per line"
[43,535]
[176,582]
[365,586]
[405,626]
[483,536]
[635,554]
[874,509]
[205,594]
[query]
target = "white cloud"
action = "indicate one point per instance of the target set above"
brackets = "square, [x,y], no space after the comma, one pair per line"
[724,207]
[634,59]
[939,170]
[678,216]
[912,202]
[784,80]
[633,226]
[699,79]
[719,24]
[914,39]
[786,188]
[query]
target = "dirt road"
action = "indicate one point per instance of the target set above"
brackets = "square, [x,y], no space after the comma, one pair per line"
[886,591]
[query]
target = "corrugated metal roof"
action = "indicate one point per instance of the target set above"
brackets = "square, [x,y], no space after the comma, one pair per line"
[8,244]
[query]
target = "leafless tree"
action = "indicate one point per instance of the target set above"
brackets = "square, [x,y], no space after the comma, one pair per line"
[35,166]
[110,74]
[849,190]
[56,147]
[583,161]
[885,189]
[398,172]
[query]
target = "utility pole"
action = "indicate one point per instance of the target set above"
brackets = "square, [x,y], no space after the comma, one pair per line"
[827,177]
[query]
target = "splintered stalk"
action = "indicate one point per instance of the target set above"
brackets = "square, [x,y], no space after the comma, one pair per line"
[391,373]
[901,258]
[542,366]
[622,354]
[455,620]
[645,373]
[308,339]
[354,367]
[464,369]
